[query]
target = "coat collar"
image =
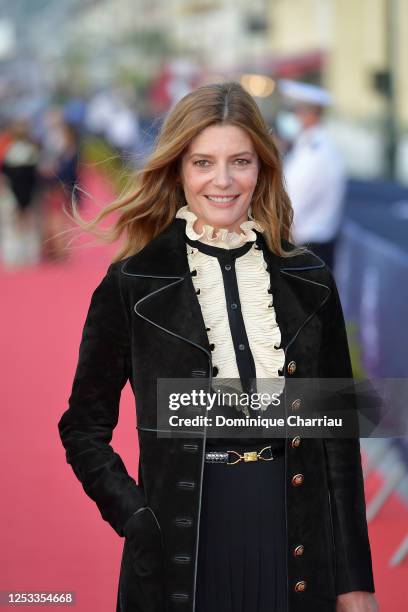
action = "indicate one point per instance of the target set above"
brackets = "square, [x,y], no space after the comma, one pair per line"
[172,304]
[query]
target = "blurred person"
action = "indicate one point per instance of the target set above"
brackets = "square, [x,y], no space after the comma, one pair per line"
[19,166]
[99,112]
[59,171]
[123,132]
[314,170]
[111,115]
[202,289]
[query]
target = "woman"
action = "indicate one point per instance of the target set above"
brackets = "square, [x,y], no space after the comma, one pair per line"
[59,173]
[19,165]
[208,286]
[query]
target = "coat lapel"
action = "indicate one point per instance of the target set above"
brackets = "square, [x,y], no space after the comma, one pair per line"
[296,296]
[170,301]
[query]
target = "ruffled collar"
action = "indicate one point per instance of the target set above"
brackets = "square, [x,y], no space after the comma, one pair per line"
[220,237]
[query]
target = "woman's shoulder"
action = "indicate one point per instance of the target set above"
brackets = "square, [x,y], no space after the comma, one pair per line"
[304,260]
[116,266]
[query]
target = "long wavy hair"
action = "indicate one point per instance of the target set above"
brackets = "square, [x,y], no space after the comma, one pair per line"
[152,203]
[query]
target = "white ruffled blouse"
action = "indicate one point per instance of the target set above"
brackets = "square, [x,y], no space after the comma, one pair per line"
[257,309]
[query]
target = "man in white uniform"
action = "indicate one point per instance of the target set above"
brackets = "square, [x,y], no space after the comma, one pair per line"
[314,171]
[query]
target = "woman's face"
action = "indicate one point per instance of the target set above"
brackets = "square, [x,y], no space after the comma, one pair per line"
[219,172]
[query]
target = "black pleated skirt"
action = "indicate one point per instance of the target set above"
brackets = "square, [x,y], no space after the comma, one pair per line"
[242,543]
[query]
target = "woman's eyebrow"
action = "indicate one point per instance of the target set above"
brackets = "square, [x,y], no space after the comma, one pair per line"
[233,155]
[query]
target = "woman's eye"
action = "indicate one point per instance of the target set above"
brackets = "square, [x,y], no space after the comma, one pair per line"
[204,163]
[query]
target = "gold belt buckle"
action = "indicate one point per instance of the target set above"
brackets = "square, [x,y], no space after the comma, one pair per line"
[250,456]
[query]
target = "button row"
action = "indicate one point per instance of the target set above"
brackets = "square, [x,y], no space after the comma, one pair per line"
[297,480]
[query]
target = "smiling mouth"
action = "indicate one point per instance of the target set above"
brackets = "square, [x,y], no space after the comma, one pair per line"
[222,199]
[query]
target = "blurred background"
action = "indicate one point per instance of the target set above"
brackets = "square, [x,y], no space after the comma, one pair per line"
[84,87]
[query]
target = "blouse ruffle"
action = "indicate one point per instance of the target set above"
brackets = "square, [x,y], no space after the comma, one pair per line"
[259,316]
[220,237]
[256,300]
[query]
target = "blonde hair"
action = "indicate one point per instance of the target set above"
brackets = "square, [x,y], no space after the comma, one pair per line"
[152,204]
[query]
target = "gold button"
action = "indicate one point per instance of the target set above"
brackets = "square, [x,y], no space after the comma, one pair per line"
[297,480]
[299,550]
[296,404]
[300,586]
[292,367]
[296,441]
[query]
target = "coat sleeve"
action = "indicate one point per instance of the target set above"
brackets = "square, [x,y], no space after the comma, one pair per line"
[86,427]
[345,477]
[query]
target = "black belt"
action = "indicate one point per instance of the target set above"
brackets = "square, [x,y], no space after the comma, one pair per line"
[231,457]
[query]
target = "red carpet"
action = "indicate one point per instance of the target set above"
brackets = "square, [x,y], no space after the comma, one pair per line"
[387,531]
[53,538]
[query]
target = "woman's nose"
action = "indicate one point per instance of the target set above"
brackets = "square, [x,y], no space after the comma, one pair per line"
[222,177]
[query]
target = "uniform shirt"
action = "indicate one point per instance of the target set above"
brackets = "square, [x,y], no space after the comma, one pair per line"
[315,180]
[232,283]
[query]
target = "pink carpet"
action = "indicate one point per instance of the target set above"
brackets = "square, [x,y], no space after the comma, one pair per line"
[53,538]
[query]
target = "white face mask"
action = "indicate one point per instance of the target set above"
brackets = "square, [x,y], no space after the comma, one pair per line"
[288,125]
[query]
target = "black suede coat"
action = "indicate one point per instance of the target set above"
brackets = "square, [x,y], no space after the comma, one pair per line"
[144,323]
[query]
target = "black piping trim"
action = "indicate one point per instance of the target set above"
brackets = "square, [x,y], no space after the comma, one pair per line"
[317,267]
[155,430]
[178,279]
[147,275]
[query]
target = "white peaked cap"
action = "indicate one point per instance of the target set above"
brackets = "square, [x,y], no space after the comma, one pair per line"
[305,92]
